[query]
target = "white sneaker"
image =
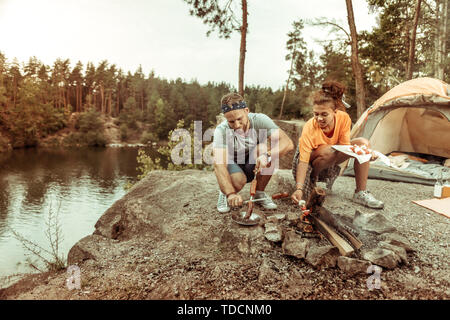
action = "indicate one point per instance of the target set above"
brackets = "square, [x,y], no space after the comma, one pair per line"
[222,203]
[267,203]
[365,198]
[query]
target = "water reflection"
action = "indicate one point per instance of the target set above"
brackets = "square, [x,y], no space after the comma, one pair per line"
[79,184]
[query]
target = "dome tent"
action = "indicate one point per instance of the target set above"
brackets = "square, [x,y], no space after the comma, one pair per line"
[413,117]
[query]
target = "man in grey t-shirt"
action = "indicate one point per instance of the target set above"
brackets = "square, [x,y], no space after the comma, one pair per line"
[241,144]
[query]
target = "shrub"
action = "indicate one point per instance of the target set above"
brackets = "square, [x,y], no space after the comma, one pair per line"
[52,257]
[146,163]
[123,131]
[148,137]
[90,132]
[4,144]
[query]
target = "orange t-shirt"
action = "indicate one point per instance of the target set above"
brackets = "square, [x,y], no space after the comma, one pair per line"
[312,136]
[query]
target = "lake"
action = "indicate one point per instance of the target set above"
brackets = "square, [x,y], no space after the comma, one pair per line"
[76,185]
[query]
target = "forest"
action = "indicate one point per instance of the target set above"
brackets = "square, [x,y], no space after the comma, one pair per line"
[410,40]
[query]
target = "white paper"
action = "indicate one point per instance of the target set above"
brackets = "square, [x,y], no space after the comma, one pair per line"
[363,157]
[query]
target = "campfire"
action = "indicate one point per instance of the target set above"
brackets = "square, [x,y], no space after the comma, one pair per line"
[327,239]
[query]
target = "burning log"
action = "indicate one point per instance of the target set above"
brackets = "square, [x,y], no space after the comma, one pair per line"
[326,222]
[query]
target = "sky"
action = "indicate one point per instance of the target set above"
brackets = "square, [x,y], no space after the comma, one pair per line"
[161,36]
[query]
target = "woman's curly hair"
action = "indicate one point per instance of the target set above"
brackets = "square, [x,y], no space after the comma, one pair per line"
[332,91]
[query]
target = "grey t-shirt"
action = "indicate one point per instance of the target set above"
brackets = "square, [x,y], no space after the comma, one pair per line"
[239,146]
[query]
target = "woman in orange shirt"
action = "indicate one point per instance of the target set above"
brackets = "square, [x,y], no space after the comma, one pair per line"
[329,126]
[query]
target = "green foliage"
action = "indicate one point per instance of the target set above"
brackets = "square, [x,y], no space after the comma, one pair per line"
[166,151]
[4,144]
[90,131]
[164,118]
[146,163]
[130,114]
[148,137]
[123,131]
[215,15]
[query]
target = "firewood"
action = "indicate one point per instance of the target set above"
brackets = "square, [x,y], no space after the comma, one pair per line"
[344,248]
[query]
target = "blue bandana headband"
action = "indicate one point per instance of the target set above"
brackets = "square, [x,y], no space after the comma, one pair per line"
[234,106]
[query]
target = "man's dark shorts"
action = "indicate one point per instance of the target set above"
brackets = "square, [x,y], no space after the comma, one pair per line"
[245,168]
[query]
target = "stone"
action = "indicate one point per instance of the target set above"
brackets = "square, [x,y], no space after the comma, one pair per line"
[397,240]
[323,257]
[352,266]
[294,245]
[382,257]
[399,251]
[293,217]
[279,216]
[273,232]
[373,222]
[87,248]
[272,219]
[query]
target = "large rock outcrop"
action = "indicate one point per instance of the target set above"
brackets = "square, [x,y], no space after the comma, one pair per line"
[165,240]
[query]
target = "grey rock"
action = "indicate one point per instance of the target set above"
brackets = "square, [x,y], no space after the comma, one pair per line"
[382,257]
[279,216]
[294,245]
[352,266]
[399,251]
[293,217]
[323,257]
[373,222]
[273,232]
[397,240]
[87,248]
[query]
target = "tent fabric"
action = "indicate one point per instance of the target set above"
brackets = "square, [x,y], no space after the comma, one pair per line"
[413,117]
[419,92]
[422,87]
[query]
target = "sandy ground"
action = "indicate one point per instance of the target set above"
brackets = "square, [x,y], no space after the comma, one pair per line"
[171,243]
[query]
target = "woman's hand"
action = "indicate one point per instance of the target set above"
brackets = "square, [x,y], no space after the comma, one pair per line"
[297,196]
[235,200]
[374,156]
[262,161]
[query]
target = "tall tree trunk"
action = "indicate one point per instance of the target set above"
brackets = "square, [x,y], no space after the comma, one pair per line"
[412,43]
[102,96]
[14,92]
[356,66]
[109,102]
[436,41]
[118,100]
[243,47]
[442,27]
[79,93]
[287,82]
[67,98]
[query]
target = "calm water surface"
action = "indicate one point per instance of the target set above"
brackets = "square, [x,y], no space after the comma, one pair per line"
[78,185]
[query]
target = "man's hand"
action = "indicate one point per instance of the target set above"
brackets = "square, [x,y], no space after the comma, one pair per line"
[297,196]
[262,161]
[235,200]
